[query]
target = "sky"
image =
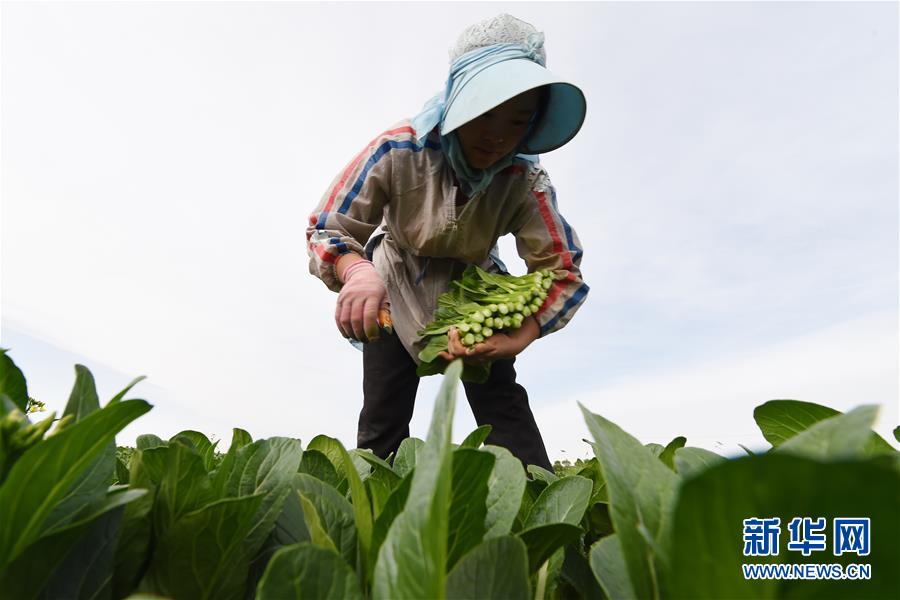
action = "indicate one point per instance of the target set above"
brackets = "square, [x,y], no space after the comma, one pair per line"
[734,187]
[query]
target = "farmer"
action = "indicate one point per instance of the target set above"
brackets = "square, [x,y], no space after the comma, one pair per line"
[444,186]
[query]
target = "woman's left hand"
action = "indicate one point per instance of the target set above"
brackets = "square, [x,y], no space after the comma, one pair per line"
[496,347]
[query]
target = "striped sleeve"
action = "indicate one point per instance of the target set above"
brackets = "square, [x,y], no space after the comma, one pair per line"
[352,206]
[545,240]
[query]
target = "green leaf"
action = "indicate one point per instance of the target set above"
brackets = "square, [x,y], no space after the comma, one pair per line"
[12,381]
[477,437]
[433,347]
[239,439]
[148,441]
[28,573]
[412,559]
[87,570]
[204,556]
[264,467]
[83,400]
[533,489]
[318,536]
[506,485]
[435,367]
[262,464]
[184,487]
[379,492]
[335,512]
[381,470]
[362,467]
[290,527]
[593,471]
[563,501]
[146,469]
[708,524]
[548,579]
[608,565]
[641,494]
[876,445]
[780,420]
[576,571]
[26,576]
[90,487]
[599,523]
[541,474]
[668,454]
[690,461]
[133,546]
[121,472]
[471,470]
[405,461]
[317,465]
[478,573]
[656,449]
[840,436]
[306,571]
[45,473]
[331,448]
[542,541]
[393,507]
[376,462]
[204,447]
[362,510]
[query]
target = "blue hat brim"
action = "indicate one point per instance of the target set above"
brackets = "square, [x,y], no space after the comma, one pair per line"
[494,85]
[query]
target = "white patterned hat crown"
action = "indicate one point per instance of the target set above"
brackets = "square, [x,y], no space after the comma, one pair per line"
[502,29]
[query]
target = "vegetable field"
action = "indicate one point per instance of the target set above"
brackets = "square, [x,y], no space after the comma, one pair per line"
[275,518]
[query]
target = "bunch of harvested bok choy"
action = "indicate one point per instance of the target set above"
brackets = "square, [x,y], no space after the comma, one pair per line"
[479,305]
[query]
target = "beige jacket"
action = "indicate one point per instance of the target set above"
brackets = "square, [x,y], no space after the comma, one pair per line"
[409,189]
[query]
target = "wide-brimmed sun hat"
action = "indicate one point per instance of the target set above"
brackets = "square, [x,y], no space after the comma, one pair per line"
[498,59]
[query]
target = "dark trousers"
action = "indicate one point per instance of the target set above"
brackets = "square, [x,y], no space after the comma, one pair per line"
[389,393]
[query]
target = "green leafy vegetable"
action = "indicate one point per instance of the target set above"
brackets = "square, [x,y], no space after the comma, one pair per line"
[479,305]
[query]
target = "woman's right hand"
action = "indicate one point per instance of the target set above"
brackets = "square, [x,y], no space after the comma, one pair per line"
[356,314]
